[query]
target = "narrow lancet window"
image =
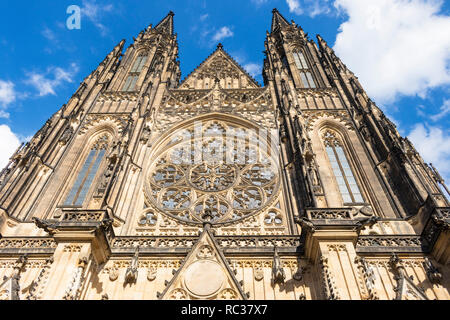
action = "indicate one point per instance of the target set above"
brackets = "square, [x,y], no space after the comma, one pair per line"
[133,76]
[305,74]
[341,168]
[87,174]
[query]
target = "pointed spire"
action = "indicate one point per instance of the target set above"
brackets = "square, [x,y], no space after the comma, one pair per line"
[166,24]
[278,20]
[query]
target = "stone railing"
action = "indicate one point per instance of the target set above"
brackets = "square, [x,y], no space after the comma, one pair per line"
[391,243]
[329,214]
[27,243]
[223,241]
[83,216]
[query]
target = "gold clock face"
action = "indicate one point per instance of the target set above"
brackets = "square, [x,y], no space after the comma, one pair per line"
[219,177]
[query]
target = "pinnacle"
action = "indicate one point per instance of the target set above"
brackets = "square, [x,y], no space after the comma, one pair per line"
[220,46]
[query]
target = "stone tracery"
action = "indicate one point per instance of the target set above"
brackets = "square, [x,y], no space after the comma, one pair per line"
[223,171]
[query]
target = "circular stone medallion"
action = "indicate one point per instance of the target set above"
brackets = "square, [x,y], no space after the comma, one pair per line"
[204,278]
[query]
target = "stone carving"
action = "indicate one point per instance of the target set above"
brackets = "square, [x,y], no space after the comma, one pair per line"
[146,134]
[185,183]
[132,271]
[178,294]
[67,134]
[368,275]
[278,274]
[27,243]
[10,287]
[205,252]
[329,287]
[73,291]
[119,121]
[406,289]
[259,274]
[228,294]
[151,274]
[113,274]
[38,285]
[432,272]
[389,241]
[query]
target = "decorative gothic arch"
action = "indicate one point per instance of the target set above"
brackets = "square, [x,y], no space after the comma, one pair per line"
[78,187]
[338,163]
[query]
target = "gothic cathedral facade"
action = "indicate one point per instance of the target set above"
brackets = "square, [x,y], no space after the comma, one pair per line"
[144,186]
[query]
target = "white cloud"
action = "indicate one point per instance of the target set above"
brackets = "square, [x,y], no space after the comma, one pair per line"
[311,8]
[7,93]
[94,12]
[46,83]
[259,2]
[396,47]
[223,33]
[294,6]
[433,144]
[253,69]
[10,143]
[203,17]
[48,34]
[445,110]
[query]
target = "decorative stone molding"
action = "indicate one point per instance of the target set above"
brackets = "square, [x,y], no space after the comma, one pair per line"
[143,264]
[83,216]
[337,247]
[223,241]
[341,116]
[329,287]
[152,273]
[27,243]
[119,120]
[37,288]
[390,241]
[72,248]
[367,275]
[74,289]
[432,272]
[335,214]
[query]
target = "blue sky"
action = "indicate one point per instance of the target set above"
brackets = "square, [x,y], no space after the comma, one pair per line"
[400,50]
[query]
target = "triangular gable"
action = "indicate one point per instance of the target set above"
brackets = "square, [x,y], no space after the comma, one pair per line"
[219,65]
[204,275]
[278,20]
[407,290]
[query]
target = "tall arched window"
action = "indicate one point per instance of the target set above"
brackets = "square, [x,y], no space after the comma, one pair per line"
[305,74]
[130,83]
[88,172]
[341,168]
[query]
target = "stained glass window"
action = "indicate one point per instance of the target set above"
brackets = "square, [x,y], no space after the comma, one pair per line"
[345,179]
[87,174]
[305,74]
[138,65]
[221,176]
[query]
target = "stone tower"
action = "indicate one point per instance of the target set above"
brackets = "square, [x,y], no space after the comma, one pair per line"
[144,186]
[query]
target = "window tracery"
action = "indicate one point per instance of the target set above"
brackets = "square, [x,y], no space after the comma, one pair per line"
[88,172]
[227,176]
[135,71]
[343,173]
[302,66]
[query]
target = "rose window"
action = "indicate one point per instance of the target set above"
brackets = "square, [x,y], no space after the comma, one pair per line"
[213,177]
[221,177]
